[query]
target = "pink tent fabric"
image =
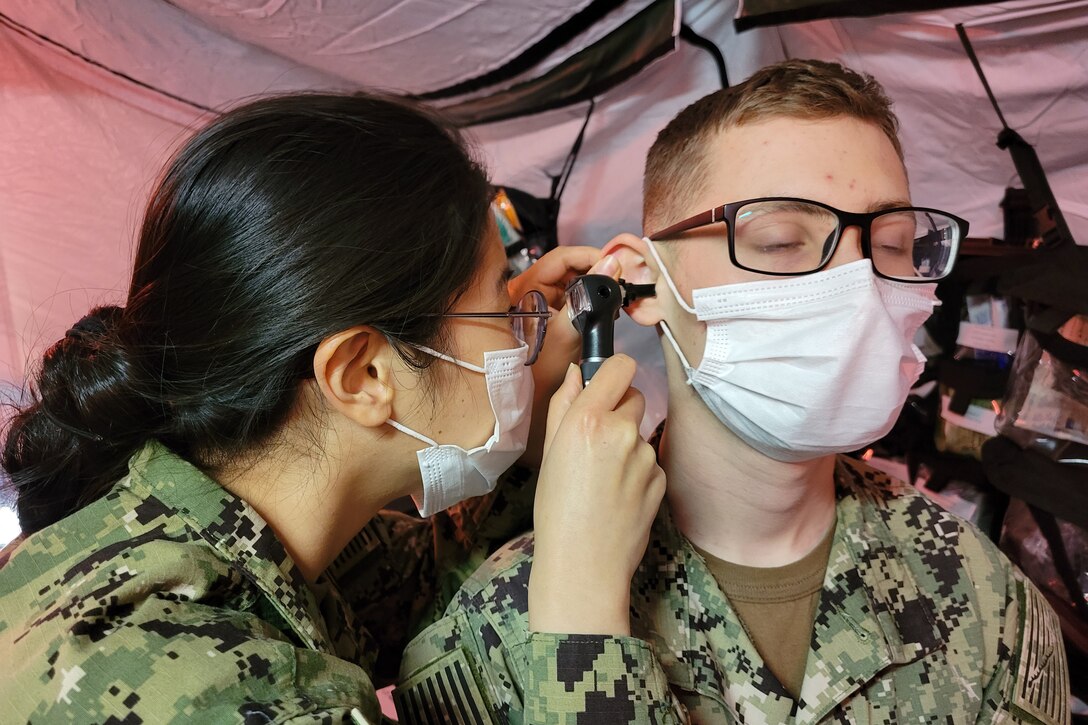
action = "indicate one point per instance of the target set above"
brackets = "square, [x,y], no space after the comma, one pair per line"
[94,96]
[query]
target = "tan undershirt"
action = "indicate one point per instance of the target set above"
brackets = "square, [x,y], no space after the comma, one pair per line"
[777,606]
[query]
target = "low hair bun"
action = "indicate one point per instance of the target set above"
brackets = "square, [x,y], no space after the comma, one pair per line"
[85,418]
[95,324]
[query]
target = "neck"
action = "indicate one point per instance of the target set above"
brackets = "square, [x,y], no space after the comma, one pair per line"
[315,498]
[732,501]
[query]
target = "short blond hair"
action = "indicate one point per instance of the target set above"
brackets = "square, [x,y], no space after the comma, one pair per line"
[676,165]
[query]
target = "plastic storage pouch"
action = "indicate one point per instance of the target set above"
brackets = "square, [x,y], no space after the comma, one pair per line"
[1046,405]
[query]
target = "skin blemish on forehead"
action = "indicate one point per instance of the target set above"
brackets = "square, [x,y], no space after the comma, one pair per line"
[829,177]
[852,183]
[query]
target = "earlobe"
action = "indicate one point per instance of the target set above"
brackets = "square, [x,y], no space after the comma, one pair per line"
[639,267]
[353,370]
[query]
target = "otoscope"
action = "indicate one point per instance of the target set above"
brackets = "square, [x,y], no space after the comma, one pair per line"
[594,303]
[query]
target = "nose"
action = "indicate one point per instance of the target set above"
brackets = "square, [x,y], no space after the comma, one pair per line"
[849,249]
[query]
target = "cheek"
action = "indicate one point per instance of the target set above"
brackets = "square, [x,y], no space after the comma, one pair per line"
[463,411]
[692,339]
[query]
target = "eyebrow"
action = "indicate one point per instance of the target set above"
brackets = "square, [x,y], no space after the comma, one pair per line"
[873,208]
[892,204]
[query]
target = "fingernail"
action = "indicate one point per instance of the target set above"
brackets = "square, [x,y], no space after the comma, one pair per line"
[607,265]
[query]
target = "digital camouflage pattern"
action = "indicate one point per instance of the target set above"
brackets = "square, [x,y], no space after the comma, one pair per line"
[171,600]
[921,620]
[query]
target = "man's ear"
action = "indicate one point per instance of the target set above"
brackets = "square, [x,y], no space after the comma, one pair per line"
[353,369]
[637,266]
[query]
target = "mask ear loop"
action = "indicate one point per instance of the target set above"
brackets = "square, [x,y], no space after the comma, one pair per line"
[668,277]
[447,358]
[409,431]
[680,300]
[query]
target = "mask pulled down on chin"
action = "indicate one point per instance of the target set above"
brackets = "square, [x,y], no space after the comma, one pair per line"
[807,366]
[451,473]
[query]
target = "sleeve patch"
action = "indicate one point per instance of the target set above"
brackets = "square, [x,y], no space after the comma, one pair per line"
[444,691]
[1042,679]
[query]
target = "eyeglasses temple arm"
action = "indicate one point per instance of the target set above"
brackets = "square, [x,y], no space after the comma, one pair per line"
[699,220]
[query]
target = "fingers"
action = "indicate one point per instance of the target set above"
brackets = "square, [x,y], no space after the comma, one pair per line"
[553,267]
[561,401]
[609,384]
[633,405]
[607,265]
[551,273]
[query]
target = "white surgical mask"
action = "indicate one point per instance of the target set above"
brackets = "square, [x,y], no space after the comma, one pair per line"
[806,366]
[450,473]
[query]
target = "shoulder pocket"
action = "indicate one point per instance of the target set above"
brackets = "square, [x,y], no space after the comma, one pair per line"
[444,690]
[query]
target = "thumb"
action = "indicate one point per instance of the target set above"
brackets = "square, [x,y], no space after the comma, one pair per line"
[562,400]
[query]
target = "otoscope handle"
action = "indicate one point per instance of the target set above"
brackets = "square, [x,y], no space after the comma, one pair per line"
[589,368]
[597,345]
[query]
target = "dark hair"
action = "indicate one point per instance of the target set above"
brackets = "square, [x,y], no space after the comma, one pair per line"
[676,164]
[284,221]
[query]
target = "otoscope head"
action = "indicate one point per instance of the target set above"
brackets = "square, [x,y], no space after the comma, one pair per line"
[592,299]
[594,303]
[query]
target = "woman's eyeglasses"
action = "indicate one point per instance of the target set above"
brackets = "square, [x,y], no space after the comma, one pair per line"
[528,319]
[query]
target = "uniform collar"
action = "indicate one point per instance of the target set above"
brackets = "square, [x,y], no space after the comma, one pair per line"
[871,615]
[235,530]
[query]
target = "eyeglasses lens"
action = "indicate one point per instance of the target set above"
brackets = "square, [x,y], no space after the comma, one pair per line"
[914,244]
[792,237]
[784,237]
[529,330]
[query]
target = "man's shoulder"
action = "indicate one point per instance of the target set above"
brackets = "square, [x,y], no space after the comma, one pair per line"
[915,522]
[491,607]
[974,594]
[949,560]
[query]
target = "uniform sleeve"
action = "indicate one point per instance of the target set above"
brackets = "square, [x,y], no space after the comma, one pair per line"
[481,663]
[585,678]
[1030,683]
[399,574]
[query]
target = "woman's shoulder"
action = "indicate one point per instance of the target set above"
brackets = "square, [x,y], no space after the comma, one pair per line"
[165,660]
[121,610]
[106,540]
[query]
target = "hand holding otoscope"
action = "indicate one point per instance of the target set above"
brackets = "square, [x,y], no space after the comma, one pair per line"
[594,302]
[595,461]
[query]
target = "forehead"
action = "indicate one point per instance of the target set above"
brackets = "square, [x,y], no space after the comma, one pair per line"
[844,162]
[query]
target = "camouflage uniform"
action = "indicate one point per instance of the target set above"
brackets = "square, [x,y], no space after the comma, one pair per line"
[921,619]
[171,600]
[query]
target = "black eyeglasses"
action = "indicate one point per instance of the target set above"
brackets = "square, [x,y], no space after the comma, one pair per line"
[784,236]
[528,319]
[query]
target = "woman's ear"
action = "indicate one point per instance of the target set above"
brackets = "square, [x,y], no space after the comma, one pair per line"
[638,267]
[353,369]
